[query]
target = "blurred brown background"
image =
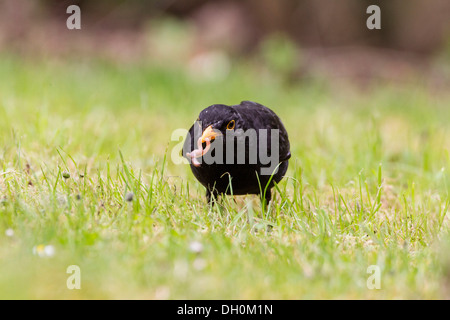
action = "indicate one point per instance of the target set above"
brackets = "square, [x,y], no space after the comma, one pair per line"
[331,37]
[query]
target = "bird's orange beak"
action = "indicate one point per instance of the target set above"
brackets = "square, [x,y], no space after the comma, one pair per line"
[210,134]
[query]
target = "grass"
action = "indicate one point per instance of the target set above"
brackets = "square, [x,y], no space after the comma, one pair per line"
[367,185]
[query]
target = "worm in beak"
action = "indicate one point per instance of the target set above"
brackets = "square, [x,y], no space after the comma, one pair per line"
[208,135]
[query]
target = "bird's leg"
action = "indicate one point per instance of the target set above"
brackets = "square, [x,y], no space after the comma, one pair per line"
[266,200]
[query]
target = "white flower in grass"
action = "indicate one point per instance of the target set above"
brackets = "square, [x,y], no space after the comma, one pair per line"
[196,247]
[49,251]
[9,232]
[44,250]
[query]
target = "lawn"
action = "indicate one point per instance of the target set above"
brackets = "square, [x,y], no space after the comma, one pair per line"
[87,178]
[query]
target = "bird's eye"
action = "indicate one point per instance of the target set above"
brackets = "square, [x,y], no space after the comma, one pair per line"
[230,125]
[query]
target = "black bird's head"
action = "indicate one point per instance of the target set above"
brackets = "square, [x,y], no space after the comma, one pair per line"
[216,120]
[213,122]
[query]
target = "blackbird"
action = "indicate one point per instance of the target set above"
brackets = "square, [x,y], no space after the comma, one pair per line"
[239,149]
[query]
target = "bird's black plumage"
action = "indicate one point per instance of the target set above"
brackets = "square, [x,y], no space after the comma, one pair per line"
[229,170]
